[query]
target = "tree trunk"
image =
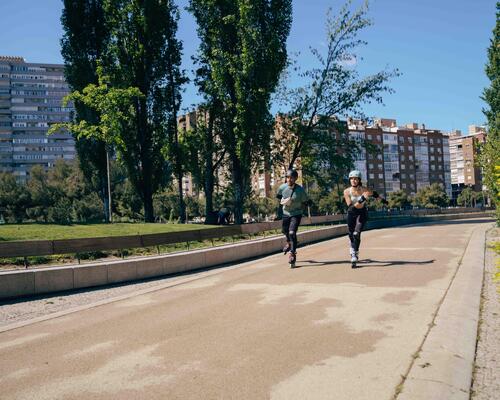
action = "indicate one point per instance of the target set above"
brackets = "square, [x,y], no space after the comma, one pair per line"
[210,218]
[149,215]
[238,191]
[182,204]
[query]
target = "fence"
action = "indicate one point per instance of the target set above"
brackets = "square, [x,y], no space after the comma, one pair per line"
[70,246]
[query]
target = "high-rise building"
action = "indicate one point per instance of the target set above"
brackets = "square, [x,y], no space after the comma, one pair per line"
[30,102]
[463,160]
[409,157]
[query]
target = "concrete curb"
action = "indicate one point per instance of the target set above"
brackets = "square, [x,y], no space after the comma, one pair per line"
[444,367]
[14,284]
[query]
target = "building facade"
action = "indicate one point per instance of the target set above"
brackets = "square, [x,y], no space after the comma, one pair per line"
[30,102]
[463,160]
[408,158]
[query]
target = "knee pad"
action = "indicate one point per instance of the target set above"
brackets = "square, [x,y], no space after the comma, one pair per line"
[292,234]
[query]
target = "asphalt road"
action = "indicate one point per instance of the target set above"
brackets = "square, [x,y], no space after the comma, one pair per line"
[258,331]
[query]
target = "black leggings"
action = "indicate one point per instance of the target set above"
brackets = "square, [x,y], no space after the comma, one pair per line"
[356,220]
[289,229]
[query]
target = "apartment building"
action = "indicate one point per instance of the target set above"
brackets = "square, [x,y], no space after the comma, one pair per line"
[408,158]
[30,102]
[463,160]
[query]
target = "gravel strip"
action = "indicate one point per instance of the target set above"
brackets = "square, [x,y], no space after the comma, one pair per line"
[486,382]
[33,307]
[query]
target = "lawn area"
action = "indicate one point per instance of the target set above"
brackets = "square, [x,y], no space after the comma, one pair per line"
[11,232]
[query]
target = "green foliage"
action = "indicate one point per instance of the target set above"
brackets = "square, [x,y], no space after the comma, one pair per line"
[14,198]
[334,88]
[260,207]
[468,197]
[61,195]
[432,196]
[145,54]
[332,203]
[489,158]
[241,55]
[398,199]
[85,42]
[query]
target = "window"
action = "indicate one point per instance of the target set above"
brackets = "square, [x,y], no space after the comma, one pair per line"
[369,137]
[403,158]
[432,158]
[379,157]
[370,166]
[431,141]
[372,176]
[403,166]
[433,167]
[381,176]
[410,148]
[410,158]
[403,185]
[403,176]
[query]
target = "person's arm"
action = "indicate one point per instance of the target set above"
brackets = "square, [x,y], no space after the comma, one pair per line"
[347,198]
[279,193]
[373,193]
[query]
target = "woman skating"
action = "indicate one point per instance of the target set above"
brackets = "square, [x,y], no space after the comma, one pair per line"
[357,214]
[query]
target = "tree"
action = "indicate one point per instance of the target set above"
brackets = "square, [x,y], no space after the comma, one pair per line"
[333,203]
[205,153]
[398,199]
[432,196]
[489,158]
[84,44]
[333,89]
[146,54]
[14,198]
[243,52]
[116,111]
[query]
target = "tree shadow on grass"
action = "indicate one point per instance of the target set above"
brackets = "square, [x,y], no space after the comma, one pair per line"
[368,262]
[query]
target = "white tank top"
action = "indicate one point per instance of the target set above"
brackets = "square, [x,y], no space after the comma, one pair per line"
[354,198]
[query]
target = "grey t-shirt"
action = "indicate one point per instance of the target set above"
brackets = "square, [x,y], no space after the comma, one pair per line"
[297,203]
[279,193]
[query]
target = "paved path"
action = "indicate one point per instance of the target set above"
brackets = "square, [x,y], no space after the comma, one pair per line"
[259,331]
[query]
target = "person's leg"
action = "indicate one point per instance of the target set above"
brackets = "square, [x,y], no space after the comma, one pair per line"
[292,233]
[351,225]
[285,228]
[358,228]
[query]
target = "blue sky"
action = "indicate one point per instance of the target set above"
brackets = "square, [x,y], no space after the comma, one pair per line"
[438,45]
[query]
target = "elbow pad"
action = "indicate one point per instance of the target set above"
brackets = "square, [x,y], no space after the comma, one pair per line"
[362,199]
[375,195]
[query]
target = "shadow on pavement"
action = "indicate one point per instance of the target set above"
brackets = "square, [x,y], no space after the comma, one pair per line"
[368,262]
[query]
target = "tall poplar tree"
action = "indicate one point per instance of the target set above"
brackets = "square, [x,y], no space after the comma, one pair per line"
[242,53]
[490,151]
[84,43]
[147,55]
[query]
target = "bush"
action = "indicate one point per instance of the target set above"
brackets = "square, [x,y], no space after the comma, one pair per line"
[89,209]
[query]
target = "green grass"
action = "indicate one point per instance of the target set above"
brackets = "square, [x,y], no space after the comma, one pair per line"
[78,231]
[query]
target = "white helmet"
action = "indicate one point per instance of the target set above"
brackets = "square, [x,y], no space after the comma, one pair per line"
[355,174]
